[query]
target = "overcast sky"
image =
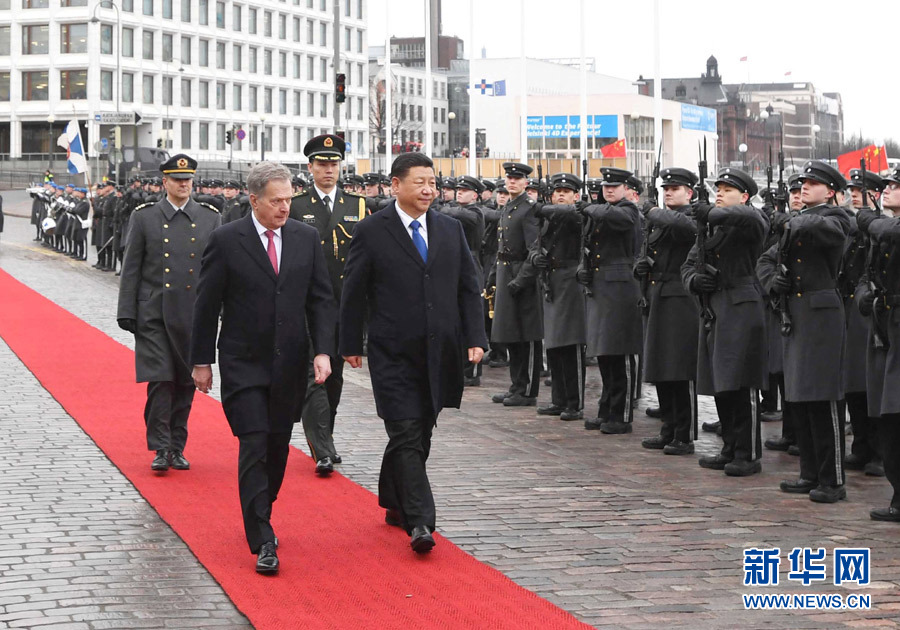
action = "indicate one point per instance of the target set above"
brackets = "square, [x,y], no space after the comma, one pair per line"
[817,42]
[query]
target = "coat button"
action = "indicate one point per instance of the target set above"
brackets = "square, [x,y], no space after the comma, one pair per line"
[190,271]
[798,260]
[167,270]
[278,292]
[188,287]
[168,285]
[277,352]
[193,225]
[429,305]
[165,240]
[799,295]
[431,336]
[192,255]
[166,225]
[167,254]
[193,239]
[427,277]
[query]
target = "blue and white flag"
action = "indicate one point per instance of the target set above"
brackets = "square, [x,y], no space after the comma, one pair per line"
[500,88]
[70,140]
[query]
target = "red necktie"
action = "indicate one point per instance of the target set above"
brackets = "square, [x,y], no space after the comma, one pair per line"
[270,250]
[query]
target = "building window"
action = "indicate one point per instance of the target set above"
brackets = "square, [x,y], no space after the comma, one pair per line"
[185,10]
[204,136]
[236,57]
[282,102]
[298,139]
[73,84]
[236,18]
[310,104]
[204,53]
[322,5]
[236,97]
[167,91]
[106,85]
[282,26]
[347,9]
[203,9]
[323,69]
[220,55]
[35,86]
[220,14]
[128,87]
[359,9]
[186,50]
[148,7]
[148,44]
[298,103]
[185,134]
[128,42]
[359,74]
[347,40]
[297,64]
[185,92]
[220,96]
[309,32]
[282,139]
[267,62]
[72,38]
[36,40]
[296,31]
[251,104]
[323,105]
[167,9]
[359,41]
[251,27]
[128,5]
[220,137]
[106,39]
[268,132]
[167,47]
[419,86]
[323,34]
[35,4]
[310,64]
[267,100]
[148,89]
[267,23]
[253,55]
[282,64]
[203,95]
[402,85]
[67,3]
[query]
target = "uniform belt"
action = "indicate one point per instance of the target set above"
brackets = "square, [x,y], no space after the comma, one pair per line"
[510,258]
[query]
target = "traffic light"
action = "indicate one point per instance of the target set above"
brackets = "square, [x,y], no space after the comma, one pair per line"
[340,87]
[159,143]
[229,136]
[340,133]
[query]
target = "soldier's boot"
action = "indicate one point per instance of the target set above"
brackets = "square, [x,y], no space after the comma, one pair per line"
[742,468]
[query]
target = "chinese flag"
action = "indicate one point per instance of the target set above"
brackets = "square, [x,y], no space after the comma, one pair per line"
[614,150]
[876,160]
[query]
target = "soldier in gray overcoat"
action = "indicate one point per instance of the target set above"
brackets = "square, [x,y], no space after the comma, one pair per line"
[670,342]
[803,268]
[156,300]
[732,362]
[614,333]
[517,304]
[556,255]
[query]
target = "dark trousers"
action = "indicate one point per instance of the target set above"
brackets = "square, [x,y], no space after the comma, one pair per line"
[788,432]
[525,364]
[739,416]
[567,371]
[820,438]
[866,444]
[678,408]
[320,409]
[403,484]
[472,370]
[889,432]
[619,375]
[262,458]
[166,414]
[772,394]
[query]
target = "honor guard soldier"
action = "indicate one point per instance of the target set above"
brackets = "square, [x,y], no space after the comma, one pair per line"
[156,301]
[335,215]
[231,210]
[802,272]
[595,190]
[614,333]
[487,195]
[732,362]
[468,212]
[517,304]
[497,356]
[865,450]
[634,188]
[556,255]
[670,340]
[533,189]
[375,201]
[877,302]
[448,190]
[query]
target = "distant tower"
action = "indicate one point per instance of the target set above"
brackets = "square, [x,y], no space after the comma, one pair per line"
[712,68]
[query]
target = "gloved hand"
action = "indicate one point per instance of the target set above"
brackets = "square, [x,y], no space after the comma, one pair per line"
[778,220]
[781,284]
[701,212]
[642,267]
[647,207]
[128,324]
[514,288]
[583,276]
[704,283]
[867,303]
[540,260]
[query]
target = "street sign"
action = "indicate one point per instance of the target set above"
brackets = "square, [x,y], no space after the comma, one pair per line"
[348,146]
[104,144]
[240,134]
[118,118]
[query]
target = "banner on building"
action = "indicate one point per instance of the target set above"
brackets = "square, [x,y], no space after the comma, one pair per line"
[696,118]
[605,126]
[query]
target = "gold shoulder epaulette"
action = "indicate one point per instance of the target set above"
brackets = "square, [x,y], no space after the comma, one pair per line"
[209,206]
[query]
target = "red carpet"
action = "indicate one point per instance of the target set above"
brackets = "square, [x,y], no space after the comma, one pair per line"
[342,567]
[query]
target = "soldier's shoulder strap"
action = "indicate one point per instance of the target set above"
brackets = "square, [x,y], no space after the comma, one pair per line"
[302,193]
[145,205]
[208,206]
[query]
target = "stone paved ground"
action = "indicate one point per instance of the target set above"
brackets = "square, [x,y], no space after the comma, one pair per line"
[619,536]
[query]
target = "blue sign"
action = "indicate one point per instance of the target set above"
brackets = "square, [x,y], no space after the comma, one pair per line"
[698,118]
[605,126]
[104,144]
[348,146]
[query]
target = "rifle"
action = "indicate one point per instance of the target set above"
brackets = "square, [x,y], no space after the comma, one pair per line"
[702,230]
[879,336]
[544,276]
[780,303]
[653,194]
[584,251]
[781,195]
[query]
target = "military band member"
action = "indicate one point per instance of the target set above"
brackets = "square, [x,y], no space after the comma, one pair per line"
[80,213]
[670,340]
[614,332]
[517,303]
[732,362]
[497,356]
[810,251]
[556,257]
[156,300]
[865,450]
[335,215]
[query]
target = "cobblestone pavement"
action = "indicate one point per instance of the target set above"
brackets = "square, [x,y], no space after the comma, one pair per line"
[619,536]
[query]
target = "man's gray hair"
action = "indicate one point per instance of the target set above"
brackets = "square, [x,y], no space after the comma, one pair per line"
[263,173]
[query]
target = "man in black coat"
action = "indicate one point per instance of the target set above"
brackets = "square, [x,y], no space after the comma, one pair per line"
[267,276]
[411,275]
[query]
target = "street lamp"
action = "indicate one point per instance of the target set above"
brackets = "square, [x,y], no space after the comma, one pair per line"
[450,118]
[118,86]
[815,130]
[262,136]
[50,120]
[743,149]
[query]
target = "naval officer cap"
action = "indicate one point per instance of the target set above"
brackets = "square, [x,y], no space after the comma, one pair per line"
[635,183]
[677,177]
[326,147]
[873,181]
[517,169]
[565,180]
[818,171]
[614,176]
[467,182]
[179,166]
[737,178]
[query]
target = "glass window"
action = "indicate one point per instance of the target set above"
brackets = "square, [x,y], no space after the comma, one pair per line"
[148,89]
[323,105]
[220,14]
[72,38]
[267,62]
[236,57]
[204,53]
[359,74]
[253,55]
[148,44]
[269,138]
[282,139]
[310,65]
[296,29]
[203,95]
[68,3]
[185,134]
[220,55]
[148,7]
[297,64]
[252,98]
[128,87]
[322,6]
[73,84]
[236,97]
[282,101]
[309,32]
[203,10]
[204,136]
[310,104]
[402,85]
[186,50]
[282,64]
[323,34]
[36,39]
[359,108]
[220,96]
[167,47]
[359,41]
[323,69]
[346,38]
[298,103]
[185,10]
[167,91]
[185,92]
[128,42]
[167,9]
[220,137]
[36,4]
[251,26]
[298,139]
[236,18]
[106,85]
[267,23]
[128,5]
[282,26]
[35,86]
[359,9]
[267,100]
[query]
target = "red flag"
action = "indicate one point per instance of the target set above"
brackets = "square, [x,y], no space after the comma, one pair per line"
[876,160]
[788,73]
[743,59]
[614,150]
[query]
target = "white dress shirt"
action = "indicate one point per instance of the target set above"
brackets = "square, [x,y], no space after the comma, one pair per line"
[261,230]
[423,229]
[177,208]
[332,196]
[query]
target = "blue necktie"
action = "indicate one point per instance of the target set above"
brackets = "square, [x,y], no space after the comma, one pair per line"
[418,241]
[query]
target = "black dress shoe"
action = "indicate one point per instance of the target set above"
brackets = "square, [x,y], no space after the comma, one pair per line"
[393,518]
[854,462]
[178,461]
[778,444]
[742,468]
[676,447]
[615,427]
[593,424]
[885,514]
[324,467]
[161,461]
[499,398]
[770,416]
[548,382]
[653,412]
[655,443]
[571,414]
[712,427]
[421,539]
[550,410]
[797,486]
[267,559]
[498,363]
[714,462]
[473,382]
[337,459]
[518,400]
[794,450]
[828,494]
[875,468]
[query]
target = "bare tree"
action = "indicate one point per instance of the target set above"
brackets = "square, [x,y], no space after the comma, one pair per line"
[407,116]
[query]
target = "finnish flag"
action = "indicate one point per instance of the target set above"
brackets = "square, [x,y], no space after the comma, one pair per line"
[70,140]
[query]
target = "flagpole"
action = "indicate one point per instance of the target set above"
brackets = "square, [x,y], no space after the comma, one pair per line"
[387,114]
[429,88]
[657,84]
[523,80]
[583,123]
[473,151]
